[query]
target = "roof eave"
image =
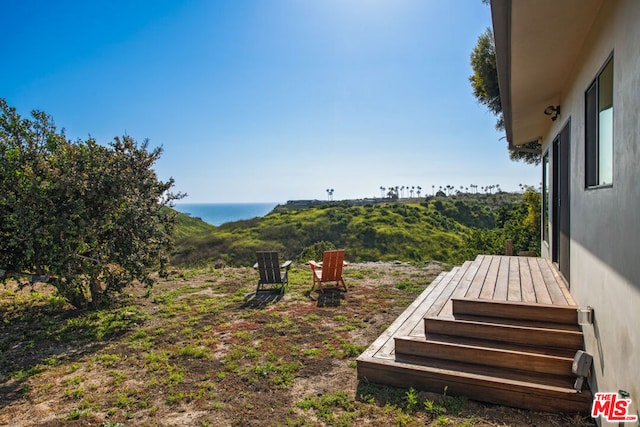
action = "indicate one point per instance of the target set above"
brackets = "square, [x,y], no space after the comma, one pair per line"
[501,18]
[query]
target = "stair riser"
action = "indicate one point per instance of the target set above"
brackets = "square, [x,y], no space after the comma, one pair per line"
[508,334]
[528,362]
[453,384]
[516,311]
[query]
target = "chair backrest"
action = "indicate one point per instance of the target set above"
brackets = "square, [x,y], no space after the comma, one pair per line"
[332,262]
[269,267]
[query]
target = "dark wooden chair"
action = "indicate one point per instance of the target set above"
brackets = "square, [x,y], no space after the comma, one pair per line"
[328,271]
[273,276]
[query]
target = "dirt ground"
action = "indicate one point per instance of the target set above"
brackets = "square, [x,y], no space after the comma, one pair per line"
[204,349]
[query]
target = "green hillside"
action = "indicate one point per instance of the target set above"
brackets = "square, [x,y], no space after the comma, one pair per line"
[447,229]
[187,226]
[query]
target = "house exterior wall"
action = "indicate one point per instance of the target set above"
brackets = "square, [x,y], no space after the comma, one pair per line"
[605,222]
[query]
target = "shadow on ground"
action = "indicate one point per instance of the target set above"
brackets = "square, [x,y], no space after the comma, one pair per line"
[261,299]
[330,298]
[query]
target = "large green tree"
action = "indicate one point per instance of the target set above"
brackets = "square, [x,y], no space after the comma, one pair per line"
[486,89]
[484,79]
[89,218]
[520,223]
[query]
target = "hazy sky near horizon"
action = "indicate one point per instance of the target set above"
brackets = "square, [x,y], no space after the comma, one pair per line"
[267,100]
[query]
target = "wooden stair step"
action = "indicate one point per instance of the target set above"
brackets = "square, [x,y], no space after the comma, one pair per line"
[549,351]
[486,385]
[486,356]
[570,340]
[518,322]
[498,374]
[565,315]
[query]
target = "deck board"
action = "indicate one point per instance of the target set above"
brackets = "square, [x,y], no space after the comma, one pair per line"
[489,285]
[526,281]
[383,347]
[479,278]
[557,296]
[514,292]
[539,286]
[502,282]
[461,288]
[445,289]
[565,288]
[445,296]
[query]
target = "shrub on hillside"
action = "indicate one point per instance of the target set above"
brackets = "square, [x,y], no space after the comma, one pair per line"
[520,223]
[315,251]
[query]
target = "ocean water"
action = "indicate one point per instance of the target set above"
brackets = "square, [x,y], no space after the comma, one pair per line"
[219,213]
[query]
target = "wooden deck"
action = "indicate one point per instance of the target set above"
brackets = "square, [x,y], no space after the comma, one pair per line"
[498,329]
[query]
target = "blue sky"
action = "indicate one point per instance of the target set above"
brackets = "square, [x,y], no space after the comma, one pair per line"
[267,100]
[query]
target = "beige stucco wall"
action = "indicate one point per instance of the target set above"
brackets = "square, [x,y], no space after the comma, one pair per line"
[605,222]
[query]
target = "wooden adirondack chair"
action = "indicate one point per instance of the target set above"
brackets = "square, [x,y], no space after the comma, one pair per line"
[273,276]
[329,270]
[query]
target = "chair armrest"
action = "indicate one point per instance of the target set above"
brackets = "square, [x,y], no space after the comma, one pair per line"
[255,265]
[345,263]
[286,264]
[315,265]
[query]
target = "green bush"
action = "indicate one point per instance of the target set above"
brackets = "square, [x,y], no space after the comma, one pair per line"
[89,217]
[315,251]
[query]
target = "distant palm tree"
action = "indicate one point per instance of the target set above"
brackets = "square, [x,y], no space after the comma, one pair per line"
[433,190]
[382,191]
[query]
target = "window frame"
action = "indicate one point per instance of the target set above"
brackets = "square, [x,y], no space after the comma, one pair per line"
[546,195]
[593,151]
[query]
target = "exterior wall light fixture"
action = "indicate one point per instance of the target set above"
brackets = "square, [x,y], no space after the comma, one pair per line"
[552,110]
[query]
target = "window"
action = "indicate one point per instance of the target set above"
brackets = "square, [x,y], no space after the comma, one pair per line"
[599,128]
[545,197]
